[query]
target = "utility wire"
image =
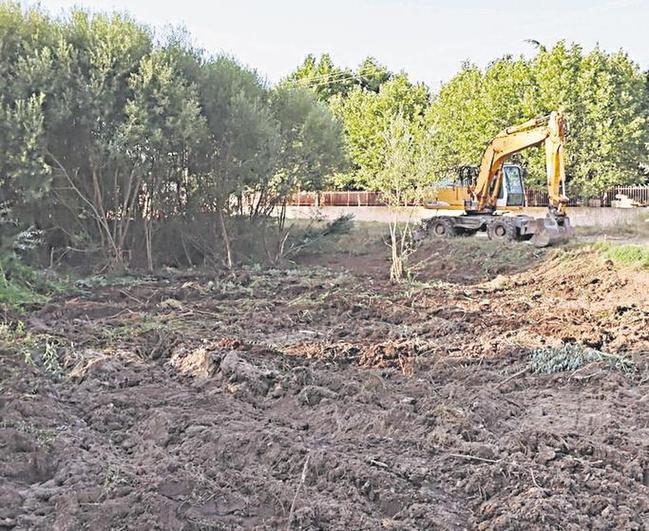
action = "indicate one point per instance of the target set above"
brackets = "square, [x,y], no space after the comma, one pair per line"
[332,75]
[322,80]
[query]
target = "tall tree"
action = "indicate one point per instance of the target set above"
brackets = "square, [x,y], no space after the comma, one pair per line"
[239,151]
[601,93]
[323,77]
[311,145]
[366,115]
[161,131]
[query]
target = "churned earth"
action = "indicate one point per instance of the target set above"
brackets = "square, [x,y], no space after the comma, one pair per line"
[322,397]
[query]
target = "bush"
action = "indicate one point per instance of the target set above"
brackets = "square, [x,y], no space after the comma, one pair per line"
[20,284]
[570,357]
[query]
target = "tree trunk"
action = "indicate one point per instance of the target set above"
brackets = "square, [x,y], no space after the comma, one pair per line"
[148,230]
[226,240]
[396,265]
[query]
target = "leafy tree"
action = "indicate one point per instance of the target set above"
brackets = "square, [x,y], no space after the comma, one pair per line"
[610,132]
[162,129]
[407,167]
[311,147]
[311,144]
[322,77]
[371,75]
[366,116]
[106,133]
[601,93]
[239,151]
[85,78]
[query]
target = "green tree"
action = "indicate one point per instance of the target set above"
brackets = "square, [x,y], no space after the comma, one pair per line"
[107,133]
[311,148]
[371,75]
[239,151]
[601,93]
[366,115]
[323,77]
[84,77]
[407,166]
[162,129]
[610,132]
[311,145]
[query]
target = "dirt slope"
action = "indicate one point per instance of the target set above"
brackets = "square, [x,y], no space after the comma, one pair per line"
[324,399]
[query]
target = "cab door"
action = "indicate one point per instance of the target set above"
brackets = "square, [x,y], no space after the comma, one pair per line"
[513,185]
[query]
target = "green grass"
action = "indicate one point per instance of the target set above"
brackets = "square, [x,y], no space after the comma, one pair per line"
[15,295]
[346,237]
[626,255]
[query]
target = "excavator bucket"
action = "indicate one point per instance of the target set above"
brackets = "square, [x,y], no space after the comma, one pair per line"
[552,230]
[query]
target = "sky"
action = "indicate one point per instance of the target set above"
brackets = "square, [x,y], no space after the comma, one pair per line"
[428,39]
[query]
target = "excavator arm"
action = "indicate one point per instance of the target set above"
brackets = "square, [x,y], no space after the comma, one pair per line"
[549,130]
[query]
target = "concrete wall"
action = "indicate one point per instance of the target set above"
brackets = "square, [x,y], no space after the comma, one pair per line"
[579,216]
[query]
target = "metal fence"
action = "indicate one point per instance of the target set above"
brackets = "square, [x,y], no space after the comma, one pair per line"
[349,198]
[638,194]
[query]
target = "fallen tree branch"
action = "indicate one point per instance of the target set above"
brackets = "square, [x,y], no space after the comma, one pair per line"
[515,375]
[474,458]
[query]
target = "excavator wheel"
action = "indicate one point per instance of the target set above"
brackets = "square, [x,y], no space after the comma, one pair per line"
[501,231]
[442,228]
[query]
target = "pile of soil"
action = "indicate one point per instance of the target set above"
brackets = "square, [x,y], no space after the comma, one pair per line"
[315,398]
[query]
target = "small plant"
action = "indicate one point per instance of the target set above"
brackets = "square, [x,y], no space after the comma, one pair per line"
[113,478]
[101,281]
[14,337]
[570,357]
[37,351]
[50,359]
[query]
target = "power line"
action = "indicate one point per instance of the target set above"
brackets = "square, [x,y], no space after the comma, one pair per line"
[326,79]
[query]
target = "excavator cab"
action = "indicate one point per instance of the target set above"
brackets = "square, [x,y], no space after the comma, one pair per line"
[512,189]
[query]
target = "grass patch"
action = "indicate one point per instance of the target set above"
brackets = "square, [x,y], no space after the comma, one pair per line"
[343,236]
[474,258]
[39,351]
[627,255]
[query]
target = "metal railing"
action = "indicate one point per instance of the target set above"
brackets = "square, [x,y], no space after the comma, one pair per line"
[638,194]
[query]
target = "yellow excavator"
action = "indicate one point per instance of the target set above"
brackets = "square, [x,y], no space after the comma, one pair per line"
[486,194]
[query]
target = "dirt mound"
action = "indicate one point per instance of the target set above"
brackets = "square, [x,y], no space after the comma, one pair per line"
[582,297]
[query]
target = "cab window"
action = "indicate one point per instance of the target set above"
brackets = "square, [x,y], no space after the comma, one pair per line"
[513,177]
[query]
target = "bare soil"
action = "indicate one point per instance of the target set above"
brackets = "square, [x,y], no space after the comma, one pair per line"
[324,398]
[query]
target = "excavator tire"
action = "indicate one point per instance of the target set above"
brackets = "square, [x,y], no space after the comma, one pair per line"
[442,228]
[501,230]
